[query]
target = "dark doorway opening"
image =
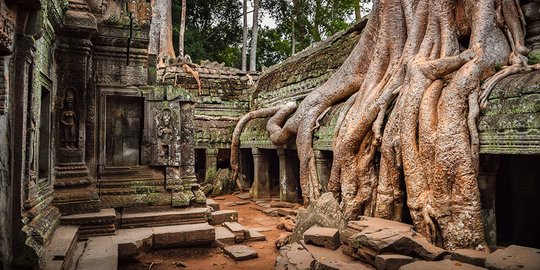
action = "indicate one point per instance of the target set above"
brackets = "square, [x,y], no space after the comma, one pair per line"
[124,123]
[224,159]
[200,164]
[517,203]
[246,166]
[44,135]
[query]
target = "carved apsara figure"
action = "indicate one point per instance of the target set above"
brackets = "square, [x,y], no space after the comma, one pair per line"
[69,119]
[165,129]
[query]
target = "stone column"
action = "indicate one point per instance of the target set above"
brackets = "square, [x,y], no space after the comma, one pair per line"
[261,178]
[75,110]
[211,160]
[323,162]
[288,179]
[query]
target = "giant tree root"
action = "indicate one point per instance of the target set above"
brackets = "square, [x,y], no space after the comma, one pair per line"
[411,87]
[235,142]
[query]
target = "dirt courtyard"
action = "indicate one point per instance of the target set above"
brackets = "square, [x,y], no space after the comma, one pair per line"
[212,257]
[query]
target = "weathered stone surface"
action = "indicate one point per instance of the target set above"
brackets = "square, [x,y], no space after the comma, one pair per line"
[373,236]
[212,204]
[324,237]
[225,236]
[238,230]
[241,202]
[392,261]
[514,257]
[254,235]
[229,204]
[325,212]
[59,251]
[273,212]
[243,196]
[470,256]
[183,235]
[100,251]
[286,212]
[218,217]
[132,241]
[440,265]
[161,218]
[240,252]
[93,224]
[326,259]
[293,257]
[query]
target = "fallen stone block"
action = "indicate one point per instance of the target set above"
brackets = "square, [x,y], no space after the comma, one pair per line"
[514,257]
[470,256]
[238,230]
[277,204]
[324,237]
[392,261]
[221,216]
[240,252]
[229,204]
[286,212]
[273,212]
[440,265]
[242,202]
[212,204]
[327,259]
[373,236]
[293,256]
[254,235]
[243,196]
[183,235]
[225,236]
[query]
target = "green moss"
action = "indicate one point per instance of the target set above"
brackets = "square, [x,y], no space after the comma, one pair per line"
[534,57]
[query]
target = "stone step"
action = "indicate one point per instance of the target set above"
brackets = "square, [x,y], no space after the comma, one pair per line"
[100,253]
[220,216]
[135,200]
[131,241]
[213,204]
[164,218]
[240,252]
[60,250]
[225,236]
[92,224]
[150,182]
[132,190]
[238,230]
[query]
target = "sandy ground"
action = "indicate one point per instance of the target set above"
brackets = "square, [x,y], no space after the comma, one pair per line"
[213,258]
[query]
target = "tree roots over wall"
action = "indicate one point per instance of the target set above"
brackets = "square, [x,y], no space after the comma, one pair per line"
[411,88]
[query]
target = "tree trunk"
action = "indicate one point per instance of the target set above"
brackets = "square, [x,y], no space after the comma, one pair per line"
[244,36]
[357,10]
[411,87]
[161,43]
[253,54]
[181,35]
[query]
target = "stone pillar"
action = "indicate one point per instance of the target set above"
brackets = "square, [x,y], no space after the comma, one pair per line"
[75,110]
[261,178]
[187,145]
[487,178]
[323,162]
[288,176]
[211,161]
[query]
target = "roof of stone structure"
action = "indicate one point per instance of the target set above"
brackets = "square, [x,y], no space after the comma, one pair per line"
[509,125]
[304,71]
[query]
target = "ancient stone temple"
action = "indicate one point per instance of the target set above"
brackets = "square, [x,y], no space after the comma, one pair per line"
[104,154]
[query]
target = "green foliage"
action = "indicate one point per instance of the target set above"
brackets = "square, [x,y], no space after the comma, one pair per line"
[213,30]
[534,57]
[272,48]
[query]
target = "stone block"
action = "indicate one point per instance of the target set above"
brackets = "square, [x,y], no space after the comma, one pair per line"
[238,230]
[240,252]
[392,261]
[218,217]
[212,204]
[514,257]
[163,218]
[59,252]
[470,256]
[325,237]
[225,236]
[183,235]
[440,265]
[254,235]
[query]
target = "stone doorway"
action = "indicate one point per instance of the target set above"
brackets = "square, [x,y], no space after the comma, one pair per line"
[124,123]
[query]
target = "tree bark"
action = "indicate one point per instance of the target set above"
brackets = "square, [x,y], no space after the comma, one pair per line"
[411,87]
[357,10]
[254,34]
[244,35]
[181,35]
[161,43]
